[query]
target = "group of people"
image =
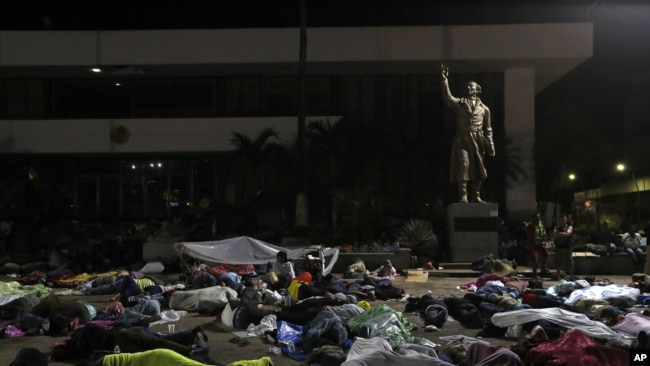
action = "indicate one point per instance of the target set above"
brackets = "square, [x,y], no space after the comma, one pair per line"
[538,239]
[303,285]
[123,324]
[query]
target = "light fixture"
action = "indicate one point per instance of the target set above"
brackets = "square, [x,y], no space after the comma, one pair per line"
[118,84]
[572,176]
[620,167]
[96,69]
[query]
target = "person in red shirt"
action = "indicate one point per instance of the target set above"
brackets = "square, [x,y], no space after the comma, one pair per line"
[536,235]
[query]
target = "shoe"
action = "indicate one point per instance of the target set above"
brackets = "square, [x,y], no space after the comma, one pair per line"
[360,295]
[199,335]
[269,337]
[642,340]
[372,296]
[241,342]
[145,321]
[538,333]
[200,349]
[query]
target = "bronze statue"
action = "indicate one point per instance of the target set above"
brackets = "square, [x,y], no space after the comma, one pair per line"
[472,140]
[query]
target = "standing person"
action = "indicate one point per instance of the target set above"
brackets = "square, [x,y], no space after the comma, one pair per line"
[563,253]
[631,241]
[503,233]
[646,270]
[536,234]
[472,139]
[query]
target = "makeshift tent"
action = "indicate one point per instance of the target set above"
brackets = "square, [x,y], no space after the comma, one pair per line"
[247,250]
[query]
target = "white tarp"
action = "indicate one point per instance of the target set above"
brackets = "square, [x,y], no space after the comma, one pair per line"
[203,300]
[247,250]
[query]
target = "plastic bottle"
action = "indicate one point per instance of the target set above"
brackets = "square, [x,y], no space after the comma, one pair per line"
[275,350]
[116,349]
[291,347]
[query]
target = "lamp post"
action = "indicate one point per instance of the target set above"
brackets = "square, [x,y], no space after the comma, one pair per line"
[621,168]
[572,177]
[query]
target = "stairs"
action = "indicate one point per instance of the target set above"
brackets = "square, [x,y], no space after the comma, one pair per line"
[465,270]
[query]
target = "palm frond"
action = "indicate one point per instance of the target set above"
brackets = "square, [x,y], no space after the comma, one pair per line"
[418,231]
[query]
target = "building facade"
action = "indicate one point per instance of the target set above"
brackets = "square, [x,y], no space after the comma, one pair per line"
[136,122]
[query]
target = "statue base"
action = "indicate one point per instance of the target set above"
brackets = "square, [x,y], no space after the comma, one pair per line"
[473,231]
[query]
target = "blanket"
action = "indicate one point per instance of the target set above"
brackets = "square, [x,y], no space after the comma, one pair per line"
[10,291]
[575,348]
[614,294]
[205,300]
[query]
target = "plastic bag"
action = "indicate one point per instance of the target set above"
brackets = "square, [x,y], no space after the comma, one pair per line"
[288,332]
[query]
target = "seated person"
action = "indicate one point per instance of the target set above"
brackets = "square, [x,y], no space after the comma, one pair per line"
[385,270]
[283,270]
[356,268]
[631,241]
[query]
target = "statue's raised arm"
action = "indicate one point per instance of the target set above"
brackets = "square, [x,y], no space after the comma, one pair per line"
[444,71]
[446,92]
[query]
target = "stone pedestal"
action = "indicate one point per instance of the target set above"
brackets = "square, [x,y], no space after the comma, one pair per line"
[473,231]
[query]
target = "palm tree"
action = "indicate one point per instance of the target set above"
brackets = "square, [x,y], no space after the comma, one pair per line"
[512,159]
[323,156]
[254,154]
[302,210]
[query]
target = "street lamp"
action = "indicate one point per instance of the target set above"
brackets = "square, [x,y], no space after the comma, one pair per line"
[590,202]
[572,177]
[621,168]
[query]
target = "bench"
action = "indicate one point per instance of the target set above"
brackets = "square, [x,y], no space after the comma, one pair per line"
[587,263]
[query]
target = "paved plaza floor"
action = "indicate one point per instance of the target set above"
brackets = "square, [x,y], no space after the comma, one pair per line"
[441,284]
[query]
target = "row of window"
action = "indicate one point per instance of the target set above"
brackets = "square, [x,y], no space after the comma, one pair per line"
[216,97]
[96,187]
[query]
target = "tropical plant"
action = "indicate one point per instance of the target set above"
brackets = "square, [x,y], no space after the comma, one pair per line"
[254,154]
[362,215]
[513,162]
[417,232]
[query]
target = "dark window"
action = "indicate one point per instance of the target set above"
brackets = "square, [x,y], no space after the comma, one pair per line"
[25,98]
[242,96]
[280,96]
[318,95]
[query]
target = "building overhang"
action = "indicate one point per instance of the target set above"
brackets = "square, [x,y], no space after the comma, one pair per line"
[551,50]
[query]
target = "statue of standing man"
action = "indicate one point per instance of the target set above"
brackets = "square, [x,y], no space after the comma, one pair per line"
[472,140]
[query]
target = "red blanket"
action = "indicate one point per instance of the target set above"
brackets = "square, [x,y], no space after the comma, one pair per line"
[575,348]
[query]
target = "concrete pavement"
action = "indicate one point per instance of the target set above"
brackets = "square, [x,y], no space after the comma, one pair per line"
[441,284]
